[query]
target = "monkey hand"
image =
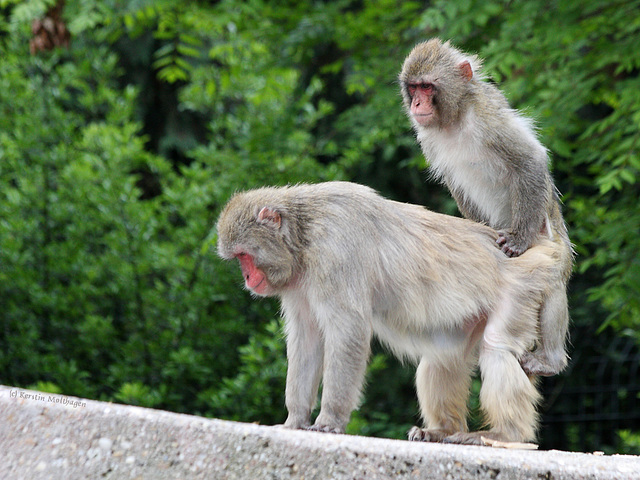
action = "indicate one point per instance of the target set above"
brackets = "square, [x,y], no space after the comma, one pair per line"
[510,245]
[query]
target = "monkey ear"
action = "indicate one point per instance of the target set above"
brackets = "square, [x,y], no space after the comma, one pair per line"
[465,70]
[269,216]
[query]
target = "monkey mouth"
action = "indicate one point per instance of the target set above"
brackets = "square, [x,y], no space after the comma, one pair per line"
[252,287]
[257,289]
[423,119]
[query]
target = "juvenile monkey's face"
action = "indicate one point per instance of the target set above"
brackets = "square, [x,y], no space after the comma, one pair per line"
[434,82]
[422,108]
[419,81]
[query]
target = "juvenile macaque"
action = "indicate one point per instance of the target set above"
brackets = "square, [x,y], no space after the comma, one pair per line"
[496,169]
[347,264]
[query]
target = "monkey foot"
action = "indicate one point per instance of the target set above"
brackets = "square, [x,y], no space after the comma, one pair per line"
[417,434]
[533,365]
[475,438]
[324,429]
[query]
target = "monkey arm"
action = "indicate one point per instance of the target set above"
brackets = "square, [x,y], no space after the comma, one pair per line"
[529,188]
[529,183]
[529,195]
[345,361]
[305,359]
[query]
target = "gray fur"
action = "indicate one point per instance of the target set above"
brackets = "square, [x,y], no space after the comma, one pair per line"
[491,160]
[425,283]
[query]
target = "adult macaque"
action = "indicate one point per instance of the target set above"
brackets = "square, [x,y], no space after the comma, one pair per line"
[496,169]
[347,263]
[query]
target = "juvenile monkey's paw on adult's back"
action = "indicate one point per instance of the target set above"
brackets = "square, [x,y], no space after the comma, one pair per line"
[510,245]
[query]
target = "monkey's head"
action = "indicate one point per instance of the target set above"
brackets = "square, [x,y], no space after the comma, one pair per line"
[255,228]
[435,81]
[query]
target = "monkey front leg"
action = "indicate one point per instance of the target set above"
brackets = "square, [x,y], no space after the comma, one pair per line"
[345,361]
[304,357]
[528,195]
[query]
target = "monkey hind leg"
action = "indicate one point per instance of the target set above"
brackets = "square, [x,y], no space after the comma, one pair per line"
[508,398]
[550,358]
[443,391]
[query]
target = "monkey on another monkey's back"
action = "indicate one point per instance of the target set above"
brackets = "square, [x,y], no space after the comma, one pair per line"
[497,170]
[347,263]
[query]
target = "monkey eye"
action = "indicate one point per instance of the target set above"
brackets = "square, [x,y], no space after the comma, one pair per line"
[427,87]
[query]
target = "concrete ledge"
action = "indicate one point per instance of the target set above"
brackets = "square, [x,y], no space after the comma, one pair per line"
[44,436]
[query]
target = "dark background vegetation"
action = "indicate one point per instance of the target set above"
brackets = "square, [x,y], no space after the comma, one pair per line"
[118,151]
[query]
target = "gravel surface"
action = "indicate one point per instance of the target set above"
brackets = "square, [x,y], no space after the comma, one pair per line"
[44,436]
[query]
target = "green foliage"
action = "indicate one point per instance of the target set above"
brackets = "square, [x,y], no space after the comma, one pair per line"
[136,393]
[109,288]
[25,11]
[117,154]
[630,442]
[242,397]
[46,387]
[382,415]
